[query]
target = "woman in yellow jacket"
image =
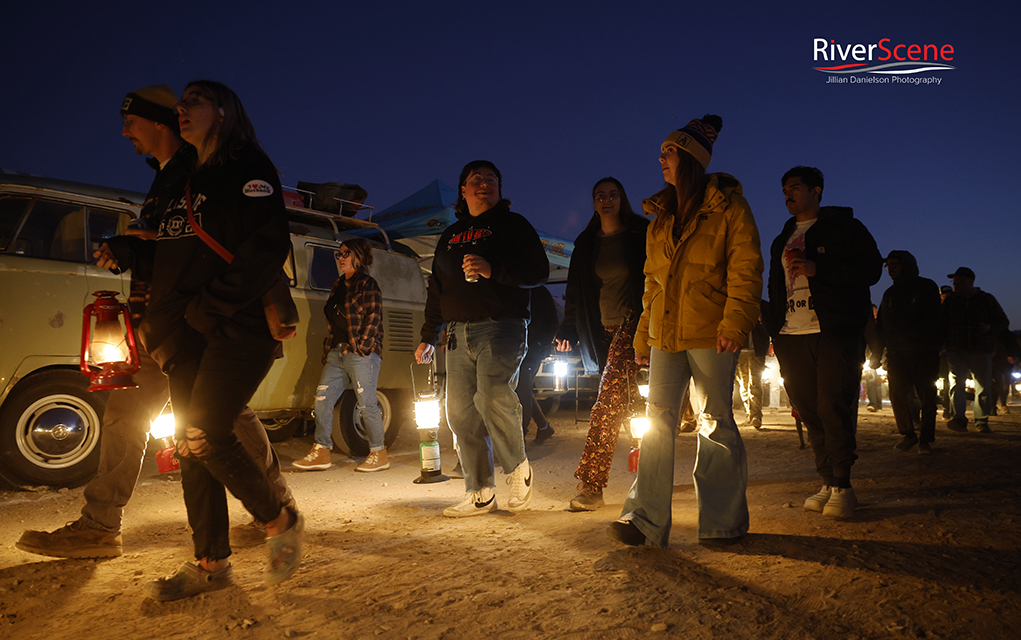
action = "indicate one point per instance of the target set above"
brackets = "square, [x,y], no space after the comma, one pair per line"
[703,281]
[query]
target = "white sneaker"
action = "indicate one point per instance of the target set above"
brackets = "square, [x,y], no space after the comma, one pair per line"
[520,481]
[475,503]
[841,504]
[819,500]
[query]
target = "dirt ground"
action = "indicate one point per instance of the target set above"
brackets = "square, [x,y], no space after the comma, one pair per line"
[931,553]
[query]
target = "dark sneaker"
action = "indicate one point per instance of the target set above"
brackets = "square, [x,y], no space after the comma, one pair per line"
[906,443]
[590,498]
[983,427]
[544,434]
[190,580]
[626,532]
[956,424]
[475,503]
[924,449]
[73,540]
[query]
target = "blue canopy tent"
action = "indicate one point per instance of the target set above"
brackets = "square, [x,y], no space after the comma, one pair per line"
[428,211]
[418,220]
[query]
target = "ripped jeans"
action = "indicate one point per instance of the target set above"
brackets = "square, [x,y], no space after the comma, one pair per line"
[349,372]
[209,387]
[721,467]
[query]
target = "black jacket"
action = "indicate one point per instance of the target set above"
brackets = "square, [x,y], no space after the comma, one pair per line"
[194,290]
[847,264]
[972,324]
[511,246]
[908,320]
[582,318]
[164,187]
[167,185]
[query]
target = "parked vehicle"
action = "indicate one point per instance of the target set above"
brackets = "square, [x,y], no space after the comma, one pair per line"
[50,424]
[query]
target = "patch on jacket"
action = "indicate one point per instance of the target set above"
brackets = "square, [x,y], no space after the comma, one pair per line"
[257,189]
[470,235]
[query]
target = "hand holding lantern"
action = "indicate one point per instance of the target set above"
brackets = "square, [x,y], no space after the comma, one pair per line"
[109,355]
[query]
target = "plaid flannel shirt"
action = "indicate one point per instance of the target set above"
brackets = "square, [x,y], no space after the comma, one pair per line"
[363,305]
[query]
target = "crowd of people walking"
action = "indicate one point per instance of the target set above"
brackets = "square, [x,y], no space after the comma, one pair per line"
[678,290]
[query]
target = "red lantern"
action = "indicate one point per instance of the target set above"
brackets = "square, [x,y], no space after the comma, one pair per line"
[109,355]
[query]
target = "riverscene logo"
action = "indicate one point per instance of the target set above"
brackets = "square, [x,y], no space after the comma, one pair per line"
[882,62]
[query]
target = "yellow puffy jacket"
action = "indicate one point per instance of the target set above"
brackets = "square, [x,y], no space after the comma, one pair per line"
[708,284]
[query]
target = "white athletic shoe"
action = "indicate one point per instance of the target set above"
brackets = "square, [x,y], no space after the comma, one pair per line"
[841,504]
[819,500]
[475,503]
[520,481]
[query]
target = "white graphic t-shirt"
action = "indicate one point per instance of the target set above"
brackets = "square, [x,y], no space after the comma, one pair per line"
[801,318]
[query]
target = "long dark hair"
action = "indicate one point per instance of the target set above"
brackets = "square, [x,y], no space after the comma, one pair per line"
[625,204]
[232,133]
[682,200]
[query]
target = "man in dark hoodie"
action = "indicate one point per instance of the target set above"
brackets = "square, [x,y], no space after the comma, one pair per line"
[970,321]
[908,325]
[821,267]
[482,270]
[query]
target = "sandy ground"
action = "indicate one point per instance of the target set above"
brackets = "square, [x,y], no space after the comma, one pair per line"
[931,553]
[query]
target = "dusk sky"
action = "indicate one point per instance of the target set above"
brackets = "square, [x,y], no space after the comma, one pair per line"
[558,94]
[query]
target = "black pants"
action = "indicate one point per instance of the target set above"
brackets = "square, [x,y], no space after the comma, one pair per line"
[209,387]
[822,375]
[910,374]
[526,376]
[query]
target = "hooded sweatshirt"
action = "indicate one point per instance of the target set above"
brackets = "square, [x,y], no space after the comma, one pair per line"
[194,290]
[511,246]
[908,320]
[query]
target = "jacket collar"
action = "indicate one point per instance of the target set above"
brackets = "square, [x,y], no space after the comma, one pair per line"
[718,192]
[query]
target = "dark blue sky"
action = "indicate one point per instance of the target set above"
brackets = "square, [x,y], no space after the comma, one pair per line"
[558,94]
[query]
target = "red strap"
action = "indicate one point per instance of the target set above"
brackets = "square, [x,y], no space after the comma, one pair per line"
[201,233]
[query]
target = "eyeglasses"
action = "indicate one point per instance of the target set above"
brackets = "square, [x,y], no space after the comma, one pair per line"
[343,253]
[129,121]
[607,197]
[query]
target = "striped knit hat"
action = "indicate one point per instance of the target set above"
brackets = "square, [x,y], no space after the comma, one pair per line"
[697,138]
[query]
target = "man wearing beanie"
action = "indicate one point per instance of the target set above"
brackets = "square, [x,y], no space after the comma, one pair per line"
[970,322]
[821,267]
[150,123]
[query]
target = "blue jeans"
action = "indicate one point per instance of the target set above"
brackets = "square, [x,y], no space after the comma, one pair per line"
[482,406]
[980,365]
[721,468]
[349,372]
